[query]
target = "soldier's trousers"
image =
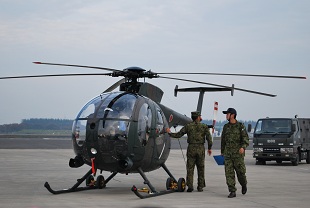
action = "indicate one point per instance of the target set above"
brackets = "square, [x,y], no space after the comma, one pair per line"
[195,156]
[232,165]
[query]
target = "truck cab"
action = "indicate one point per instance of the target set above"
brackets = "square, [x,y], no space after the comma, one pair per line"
[280,139]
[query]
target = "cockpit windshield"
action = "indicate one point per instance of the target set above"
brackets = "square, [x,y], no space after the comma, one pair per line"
[113,111]
[266,126]
[121,107]
[117,116]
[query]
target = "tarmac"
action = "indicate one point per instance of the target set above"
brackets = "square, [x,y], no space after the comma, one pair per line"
[24,172]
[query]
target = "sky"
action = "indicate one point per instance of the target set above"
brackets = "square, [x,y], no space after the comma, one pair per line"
[223,36]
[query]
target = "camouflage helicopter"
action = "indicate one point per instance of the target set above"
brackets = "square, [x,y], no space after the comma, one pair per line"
[125,131]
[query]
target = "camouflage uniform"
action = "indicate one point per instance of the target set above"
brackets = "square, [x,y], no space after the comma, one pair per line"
[197,133]
[234,137]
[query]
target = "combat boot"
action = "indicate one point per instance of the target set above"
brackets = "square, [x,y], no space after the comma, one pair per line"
[232,194]
[244,189]
[190,189]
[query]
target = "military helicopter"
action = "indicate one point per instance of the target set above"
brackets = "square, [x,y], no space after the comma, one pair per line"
[124,131]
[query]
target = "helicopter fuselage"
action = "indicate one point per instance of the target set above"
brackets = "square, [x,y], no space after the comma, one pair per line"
[120,132]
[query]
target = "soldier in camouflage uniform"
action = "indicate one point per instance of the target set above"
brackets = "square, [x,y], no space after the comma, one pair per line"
[234,141]
[197,133]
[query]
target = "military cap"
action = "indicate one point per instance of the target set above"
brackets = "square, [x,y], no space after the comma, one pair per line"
[196,113]
[230,110]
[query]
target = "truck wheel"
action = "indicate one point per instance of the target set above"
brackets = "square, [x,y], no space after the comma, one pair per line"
[296,161]
[308,157]
[279,161]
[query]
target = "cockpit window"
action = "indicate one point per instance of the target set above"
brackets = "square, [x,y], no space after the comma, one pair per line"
[115,115]
[122,107]
[113,110]
[113,129]
[89,109]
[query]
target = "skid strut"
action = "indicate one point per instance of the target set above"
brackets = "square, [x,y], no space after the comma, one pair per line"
[173,186]
[76,187]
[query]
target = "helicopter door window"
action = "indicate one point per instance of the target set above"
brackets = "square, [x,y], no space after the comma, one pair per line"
[160,123]
[144,123]
[160,140]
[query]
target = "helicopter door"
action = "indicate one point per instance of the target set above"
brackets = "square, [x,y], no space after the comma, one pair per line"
[144,123]
[161,141]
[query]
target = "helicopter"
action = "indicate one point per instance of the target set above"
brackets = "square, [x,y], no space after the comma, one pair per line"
[125,131]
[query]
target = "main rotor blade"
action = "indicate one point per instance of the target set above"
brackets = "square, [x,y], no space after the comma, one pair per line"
[73,65]
[240,89]
[248,75]
[54,75]
[115,85]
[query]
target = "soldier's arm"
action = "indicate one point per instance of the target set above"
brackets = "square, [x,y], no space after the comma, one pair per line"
[244,138]
[209,139]
[179,134]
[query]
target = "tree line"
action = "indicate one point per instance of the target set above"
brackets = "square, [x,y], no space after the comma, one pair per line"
[44,124]
[37,124]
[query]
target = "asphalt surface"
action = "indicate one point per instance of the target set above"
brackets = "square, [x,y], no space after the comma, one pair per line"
[24,172]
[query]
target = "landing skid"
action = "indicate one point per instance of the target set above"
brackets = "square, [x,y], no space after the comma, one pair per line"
[172,185]
[91,184]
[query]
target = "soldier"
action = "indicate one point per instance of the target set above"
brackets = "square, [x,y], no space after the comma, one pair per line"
[234,141]
[197,133]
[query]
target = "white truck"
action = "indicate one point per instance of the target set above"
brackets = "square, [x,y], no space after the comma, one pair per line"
[282,139]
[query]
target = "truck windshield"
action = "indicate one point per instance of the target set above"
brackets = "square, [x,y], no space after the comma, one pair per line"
[271,126]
